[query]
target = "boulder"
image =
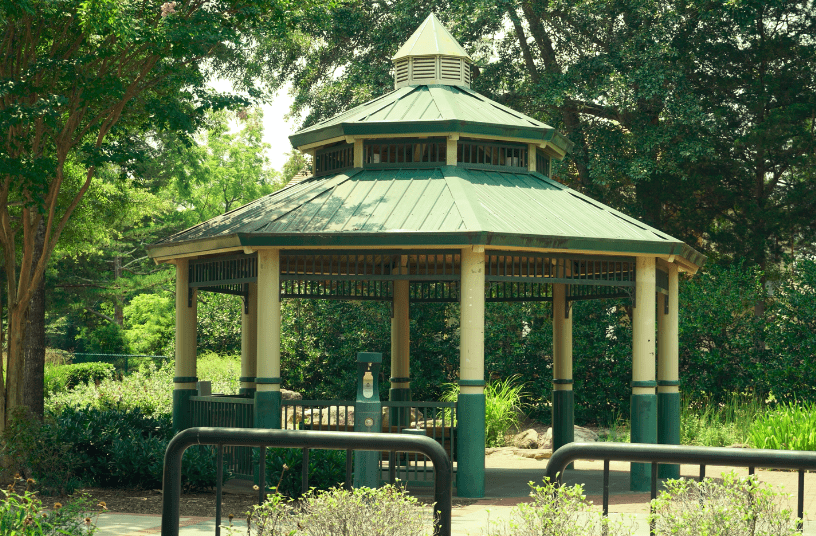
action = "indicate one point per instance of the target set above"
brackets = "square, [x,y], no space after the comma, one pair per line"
[585,435]
[528,439]
[286,394]
[545,440]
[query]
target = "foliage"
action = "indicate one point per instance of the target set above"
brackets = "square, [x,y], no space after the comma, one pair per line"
[327,469]
[734,507]
[222,370]
[387,511]
[502,407]
[791,333]
[707,423]
[219,323]
[788,427]
[150,390]
[85,446]
[149,322]
[35,449]
[66,377]
[23,514]
[555,511]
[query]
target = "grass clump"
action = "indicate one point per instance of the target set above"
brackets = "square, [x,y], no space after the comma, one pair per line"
[707,423]
[502,407]
[788,427]
[556,511]
[387,511]
[734,507]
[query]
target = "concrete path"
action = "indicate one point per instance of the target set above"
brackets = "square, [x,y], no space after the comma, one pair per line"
[506,485]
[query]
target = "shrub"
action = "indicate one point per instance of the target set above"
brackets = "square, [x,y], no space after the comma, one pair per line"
[734,507]
[556,511]
[327,469]
[61,378]
[150,390]
[37,450]
[706,423]
[150,322]
[387,511]
[87,446]
[23,514]
[789,427]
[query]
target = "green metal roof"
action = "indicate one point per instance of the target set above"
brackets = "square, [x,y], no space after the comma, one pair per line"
[431,39]
[444,206]
[432,109]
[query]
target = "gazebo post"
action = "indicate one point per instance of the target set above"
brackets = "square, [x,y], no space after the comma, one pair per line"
[668,371]
[644,399]
[470,475]
[400,348]
[184,380]
[249,342]
[267,382]
[563,398]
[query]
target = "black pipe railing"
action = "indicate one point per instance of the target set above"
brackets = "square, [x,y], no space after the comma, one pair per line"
[668,454]
[247,437]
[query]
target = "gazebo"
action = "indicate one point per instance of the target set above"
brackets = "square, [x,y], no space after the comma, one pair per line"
[434,192]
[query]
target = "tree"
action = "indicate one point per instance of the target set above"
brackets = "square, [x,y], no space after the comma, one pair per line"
[81,81]
[696,117]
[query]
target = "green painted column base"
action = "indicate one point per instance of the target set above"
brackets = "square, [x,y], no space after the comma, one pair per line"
[668,429]
[268,410]
[399,416]
[563,420]
[644,430]
[470,447]
[182,413]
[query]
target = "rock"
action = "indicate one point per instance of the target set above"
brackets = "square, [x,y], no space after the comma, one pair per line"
[585,435]
[535,454]
[545,440]
[329,416]
[528,439]
[286,394]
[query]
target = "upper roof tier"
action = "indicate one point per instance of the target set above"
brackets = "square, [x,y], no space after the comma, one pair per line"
[432,96]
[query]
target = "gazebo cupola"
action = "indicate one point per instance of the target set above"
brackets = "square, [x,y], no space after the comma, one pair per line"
[436,193]
[431,56]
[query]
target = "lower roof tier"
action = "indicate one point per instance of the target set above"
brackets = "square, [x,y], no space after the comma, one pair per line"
[446,206]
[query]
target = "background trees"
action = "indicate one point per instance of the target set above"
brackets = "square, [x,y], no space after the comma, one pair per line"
[81,82]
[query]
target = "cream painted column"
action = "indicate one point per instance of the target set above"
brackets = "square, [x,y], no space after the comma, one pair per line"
[249,341]
[644,399]
[184,381]
[358,152]
[563,398]
[400,348]
[470,474]
[267,381]
[452,149]
[668,370]
[531,156]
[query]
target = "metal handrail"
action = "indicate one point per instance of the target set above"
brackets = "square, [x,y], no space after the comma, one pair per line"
[668,454]
[249,437]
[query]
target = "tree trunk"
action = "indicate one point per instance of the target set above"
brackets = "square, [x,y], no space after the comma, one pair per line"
[34,369]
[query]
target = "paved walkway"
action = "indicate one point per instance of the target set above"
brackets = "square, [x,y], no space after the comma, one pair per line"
[506,486]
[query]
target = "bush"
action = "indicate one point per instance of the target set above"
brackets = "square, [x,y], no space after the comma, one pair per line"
[107,448]
[23,514]
[734,507]
[387,511]
[37,451]
[284,467]
[556,511]
[150,322]
[789,427]
[150,390]
[61,378]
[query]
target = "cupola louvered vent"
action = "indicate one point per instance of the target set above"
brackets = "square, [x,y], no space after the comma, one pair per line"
[431,70]
[401,71]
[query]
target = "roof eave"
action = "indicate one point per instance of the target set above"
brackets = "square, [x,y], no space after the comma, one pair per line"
[372,129]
